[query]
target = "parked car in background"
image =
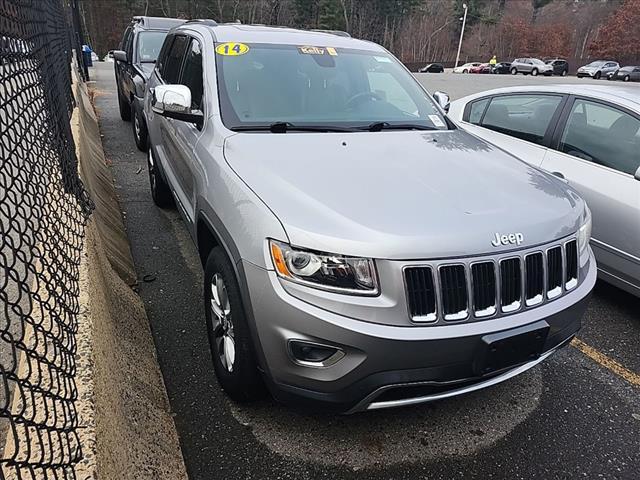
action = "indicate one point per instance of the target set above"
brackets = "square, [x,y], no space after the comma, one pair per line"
[590,136]
[597,69]
[466,67]
[626,74]
[482,68]
[412,266]
[108,57]
[533,66]
[501,68]
[432,68]
[134,62]
[560,66]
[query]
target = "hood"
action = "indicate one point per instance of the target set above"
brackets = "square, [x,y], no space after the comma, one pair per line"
[402,195]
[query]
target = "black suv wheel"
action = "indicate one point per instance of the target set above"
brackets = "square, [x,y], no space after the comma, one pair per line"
[160,190]
[229,337]
[125,109]
[139,127]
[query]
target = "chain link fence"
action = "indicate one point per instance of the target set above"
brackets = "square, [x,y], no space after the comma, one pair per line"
[43,212]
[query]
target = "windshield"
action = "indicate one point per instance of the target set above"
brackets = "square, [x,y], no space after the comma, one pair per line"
[310,86]
[537,61]
[596,64]
[149,45]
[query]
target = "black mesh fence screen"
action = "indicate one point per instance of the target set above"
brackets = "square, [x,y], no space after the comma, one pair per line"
[43,212]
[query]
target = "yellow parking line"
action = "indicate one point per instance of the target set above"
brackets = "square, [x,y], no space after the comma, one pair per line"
[608,363]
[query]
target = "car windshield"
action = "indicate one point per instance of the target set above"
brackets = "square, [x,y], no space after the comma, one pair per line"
[596,64]
[265,84]
[537,61]
[149,45]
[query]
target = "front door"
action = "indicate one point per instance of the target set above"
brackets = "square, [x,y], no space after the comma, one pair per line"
[598,152]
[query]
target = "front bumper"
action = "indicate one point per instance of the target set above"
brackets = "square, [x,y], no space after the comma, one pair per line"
[385,365]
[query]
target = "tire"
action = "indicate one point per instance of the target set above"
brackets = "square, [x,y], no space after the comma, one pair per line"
[125,108]
[597,75]
[465,71]
[229,337]
[160,190]
[534,72]
[139,127]
[626,78]
[564,73]
[514,71]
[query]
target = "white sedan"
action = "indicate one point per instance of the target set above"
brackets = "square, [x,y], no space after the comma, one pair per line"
[466,67]
[587,135]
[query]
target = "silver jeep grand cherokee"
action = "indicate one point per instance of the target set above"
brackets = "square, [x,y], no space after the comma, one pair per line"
[360,250]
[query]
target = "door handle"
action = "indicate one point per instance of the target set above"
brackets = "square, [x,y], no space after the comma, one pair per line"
[559,175]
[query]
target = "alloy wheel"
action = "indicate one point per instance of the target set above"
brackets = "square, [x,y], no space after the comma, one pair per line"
[152,171]
[136,126]
[222,323]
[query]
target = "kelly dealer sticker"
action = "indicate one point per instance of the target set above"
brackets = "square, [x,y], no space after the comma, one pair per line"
[232,49]
[308,50]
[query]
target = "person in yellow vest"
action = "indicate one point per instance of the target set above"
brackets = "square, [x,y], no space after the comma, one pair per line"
[493,61]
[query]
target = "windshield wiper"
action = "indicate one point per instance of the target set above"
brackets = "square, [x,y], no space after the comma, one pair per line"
[379,126]
[284,127]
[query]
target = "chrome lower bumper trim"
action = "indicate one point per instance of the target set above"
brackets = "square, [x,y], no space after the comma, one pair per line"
[368,404]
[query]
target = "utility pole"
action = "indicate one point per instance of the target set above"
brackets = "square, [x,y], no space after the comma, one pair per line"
[464,22]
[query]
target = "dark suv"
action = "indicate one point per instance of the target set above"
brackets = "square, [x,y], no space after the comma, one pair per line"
[560,65]
[134,62]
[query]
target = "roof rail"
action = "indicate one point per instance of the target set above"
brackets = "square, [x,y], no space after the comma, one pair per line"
[204,21]
[339,33]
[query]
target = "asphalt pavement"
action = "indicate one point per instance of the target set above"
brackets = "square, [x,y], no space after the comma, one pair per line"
[577,415]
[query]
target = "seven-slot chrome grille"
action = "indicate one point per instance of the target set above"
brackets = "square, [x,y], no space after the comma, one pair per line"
[478,289]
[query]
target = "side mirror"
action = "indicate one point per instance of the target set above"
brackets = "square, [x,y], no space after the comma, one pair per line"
[120,56]
[443,100]
[637,175]
[174,101]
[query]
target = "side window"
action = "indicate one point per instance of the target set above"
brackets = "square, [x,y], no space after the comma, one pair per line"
[162,58]
[604,135]
[173,62]
[636,70]
[476,110]
[192,74]
[127,47]
[522,116]
[125,38]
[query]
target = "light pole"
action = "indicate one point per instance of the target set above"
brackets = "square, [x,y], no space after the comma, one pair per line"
[464,22]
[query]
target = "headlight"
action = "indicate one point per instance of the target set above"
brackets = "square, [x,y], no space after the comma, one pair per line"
[336,273]
[584,233]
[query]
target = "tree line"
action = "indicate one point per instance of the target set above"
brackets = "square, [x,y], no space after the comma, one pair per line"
[415,30]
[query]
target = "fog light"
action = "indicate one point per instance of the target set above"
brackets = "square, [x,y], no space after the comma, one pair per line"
[313,354]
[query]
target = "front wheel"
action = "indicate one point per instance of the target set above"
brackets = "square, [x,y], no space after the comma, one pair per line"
[564,73]
[514,71]
[229,337]
[534,72]
[597,75]
[465,71]
[626,78]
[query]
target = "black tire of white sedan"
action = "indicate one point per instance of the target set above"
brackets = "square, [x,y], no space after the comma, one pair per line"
[139,128]
[160,190]
[229,336]
[125,109]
